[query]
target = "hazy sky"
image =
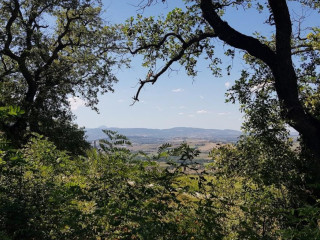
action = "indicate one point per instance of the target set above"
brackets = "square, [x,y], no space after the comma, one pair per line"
[175,100]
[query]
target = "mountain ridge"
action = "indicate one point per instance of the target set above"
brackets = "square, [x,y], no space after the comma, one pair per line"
[167,134]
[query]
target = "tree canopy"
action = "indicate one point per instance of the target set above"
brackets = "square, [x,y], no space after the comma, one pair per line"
[284,65]
[51,51]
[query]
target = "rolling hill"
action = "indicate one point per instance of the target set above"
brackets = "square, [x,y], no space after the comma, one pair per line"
[147,135]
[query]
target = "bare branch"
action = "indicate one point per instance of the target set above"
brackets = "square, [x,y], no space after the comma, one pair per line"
[147,3]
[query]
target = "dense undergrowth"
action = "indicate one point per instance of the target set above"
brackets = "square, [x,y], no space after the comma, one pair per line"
[46,193]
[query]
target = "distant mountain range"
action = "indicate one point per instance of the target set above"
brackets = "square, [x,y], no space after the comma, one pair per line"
[146,135]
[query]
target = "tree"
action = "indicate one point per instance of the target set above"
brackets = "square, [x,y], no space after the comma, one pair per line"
[185,34]
[51,51]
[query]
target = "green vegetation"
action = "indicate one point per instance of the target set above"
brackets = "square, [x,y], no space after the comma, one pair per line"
[54,186]
[51,52]
[282,74]
[113,194]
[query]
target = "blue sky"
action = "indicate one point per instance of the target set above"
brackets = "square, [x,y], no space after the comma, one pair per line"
[175,100]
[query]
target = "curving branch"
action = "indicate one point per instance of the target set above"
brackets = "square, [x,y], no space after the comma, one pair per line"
[6,50]
[158,45]
[280,63]
[60,45]
[185,45]
[234,38]
[147,3]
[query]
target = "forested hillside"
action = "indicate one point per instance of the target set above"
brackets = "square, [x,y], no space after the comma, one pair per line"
[54,185]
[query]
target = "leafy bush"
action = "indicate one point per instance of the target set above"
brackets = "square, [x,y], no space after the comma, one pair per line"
[113,193]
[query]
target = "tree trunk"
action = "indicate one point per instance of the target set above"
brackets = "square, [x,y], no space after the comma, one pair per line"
[280,62]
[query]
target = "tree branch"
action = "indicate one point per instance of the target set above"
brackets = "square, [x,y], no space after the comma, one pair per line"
[60,45]
[6,50]
[7,71]
[234,38]
[153,78]
[283,27]
[158,45]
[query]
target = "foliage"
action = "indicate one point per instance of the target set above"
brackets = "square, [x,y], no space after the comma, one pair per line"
[269,179]
[271,190]
[52,52]
[6,115]
[117,194]
[283,73]
[115,143]
[46,194]
[263,187]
